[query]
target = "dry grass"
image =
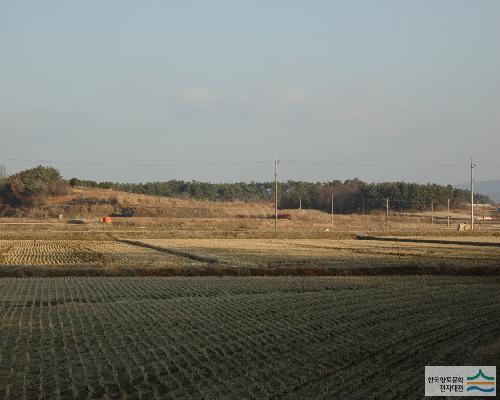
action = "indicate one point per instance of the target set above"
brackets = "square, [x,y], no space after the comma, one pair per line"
[472,240]
[148,206]
[99,202]
[308,244]
[275,253]
[87,257]
[305,224]
[167,257]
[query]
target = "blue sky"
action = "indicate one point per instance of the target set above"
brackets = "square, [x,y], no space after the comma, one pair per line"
[380,90]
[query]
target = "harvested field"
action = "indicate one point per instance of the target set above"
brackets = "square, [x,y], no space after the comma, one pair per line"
[308,224]
[277,253]
[256,337]
[167,257]
[67,257]
[33,252]
[462,240]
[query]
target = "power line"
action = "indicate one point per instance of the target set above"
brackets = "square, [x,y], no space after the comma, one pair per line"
[205,164]
[228,163]
[328,164]
[141,164]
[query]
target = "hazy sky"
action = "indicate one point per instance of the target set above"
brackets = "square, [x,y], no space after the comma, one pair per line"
[387,90]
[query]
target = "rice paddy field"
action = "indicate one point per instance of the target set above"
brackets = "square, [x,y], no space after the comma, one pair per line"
[34,257]
[131,312]
[239,338]
[171,257]
[347,253]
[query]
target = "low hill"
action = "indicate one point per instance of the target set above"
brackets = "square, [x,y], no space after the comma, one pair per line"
[81,201]
[42,192]
[30,189]
[350,196]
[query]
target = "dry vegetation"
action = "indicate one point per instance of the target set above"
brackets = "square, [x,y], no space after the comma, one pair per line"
[94,202]
[305,224]
[235,338]
[202,237]
[151,337]
[207,244]
[337,255]
[236,238]
[84,257]
[168,257]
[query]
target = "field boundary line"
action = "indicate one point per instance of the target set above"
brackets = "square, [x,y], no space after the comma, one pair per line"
[25,271]
[432,241]
[209,260]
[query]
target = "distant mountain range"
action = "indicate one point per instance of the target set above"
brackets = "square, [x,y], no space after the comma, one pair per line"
[490,188]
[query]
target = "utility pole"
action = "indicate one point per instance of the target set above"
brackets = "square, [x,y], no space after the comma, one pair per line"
[300,202]
[387,210]
[448,213]
[432,211]
[483,213]
[332,209]
[472,166]
[276,162]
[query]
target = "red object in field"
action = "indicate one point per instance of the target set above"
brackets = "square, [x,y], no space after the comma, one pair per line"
[107,220]
[284,216]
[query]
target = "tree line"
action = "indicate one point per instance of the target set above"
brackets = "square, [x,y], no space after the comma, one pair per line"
[350,196]
[31,188]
